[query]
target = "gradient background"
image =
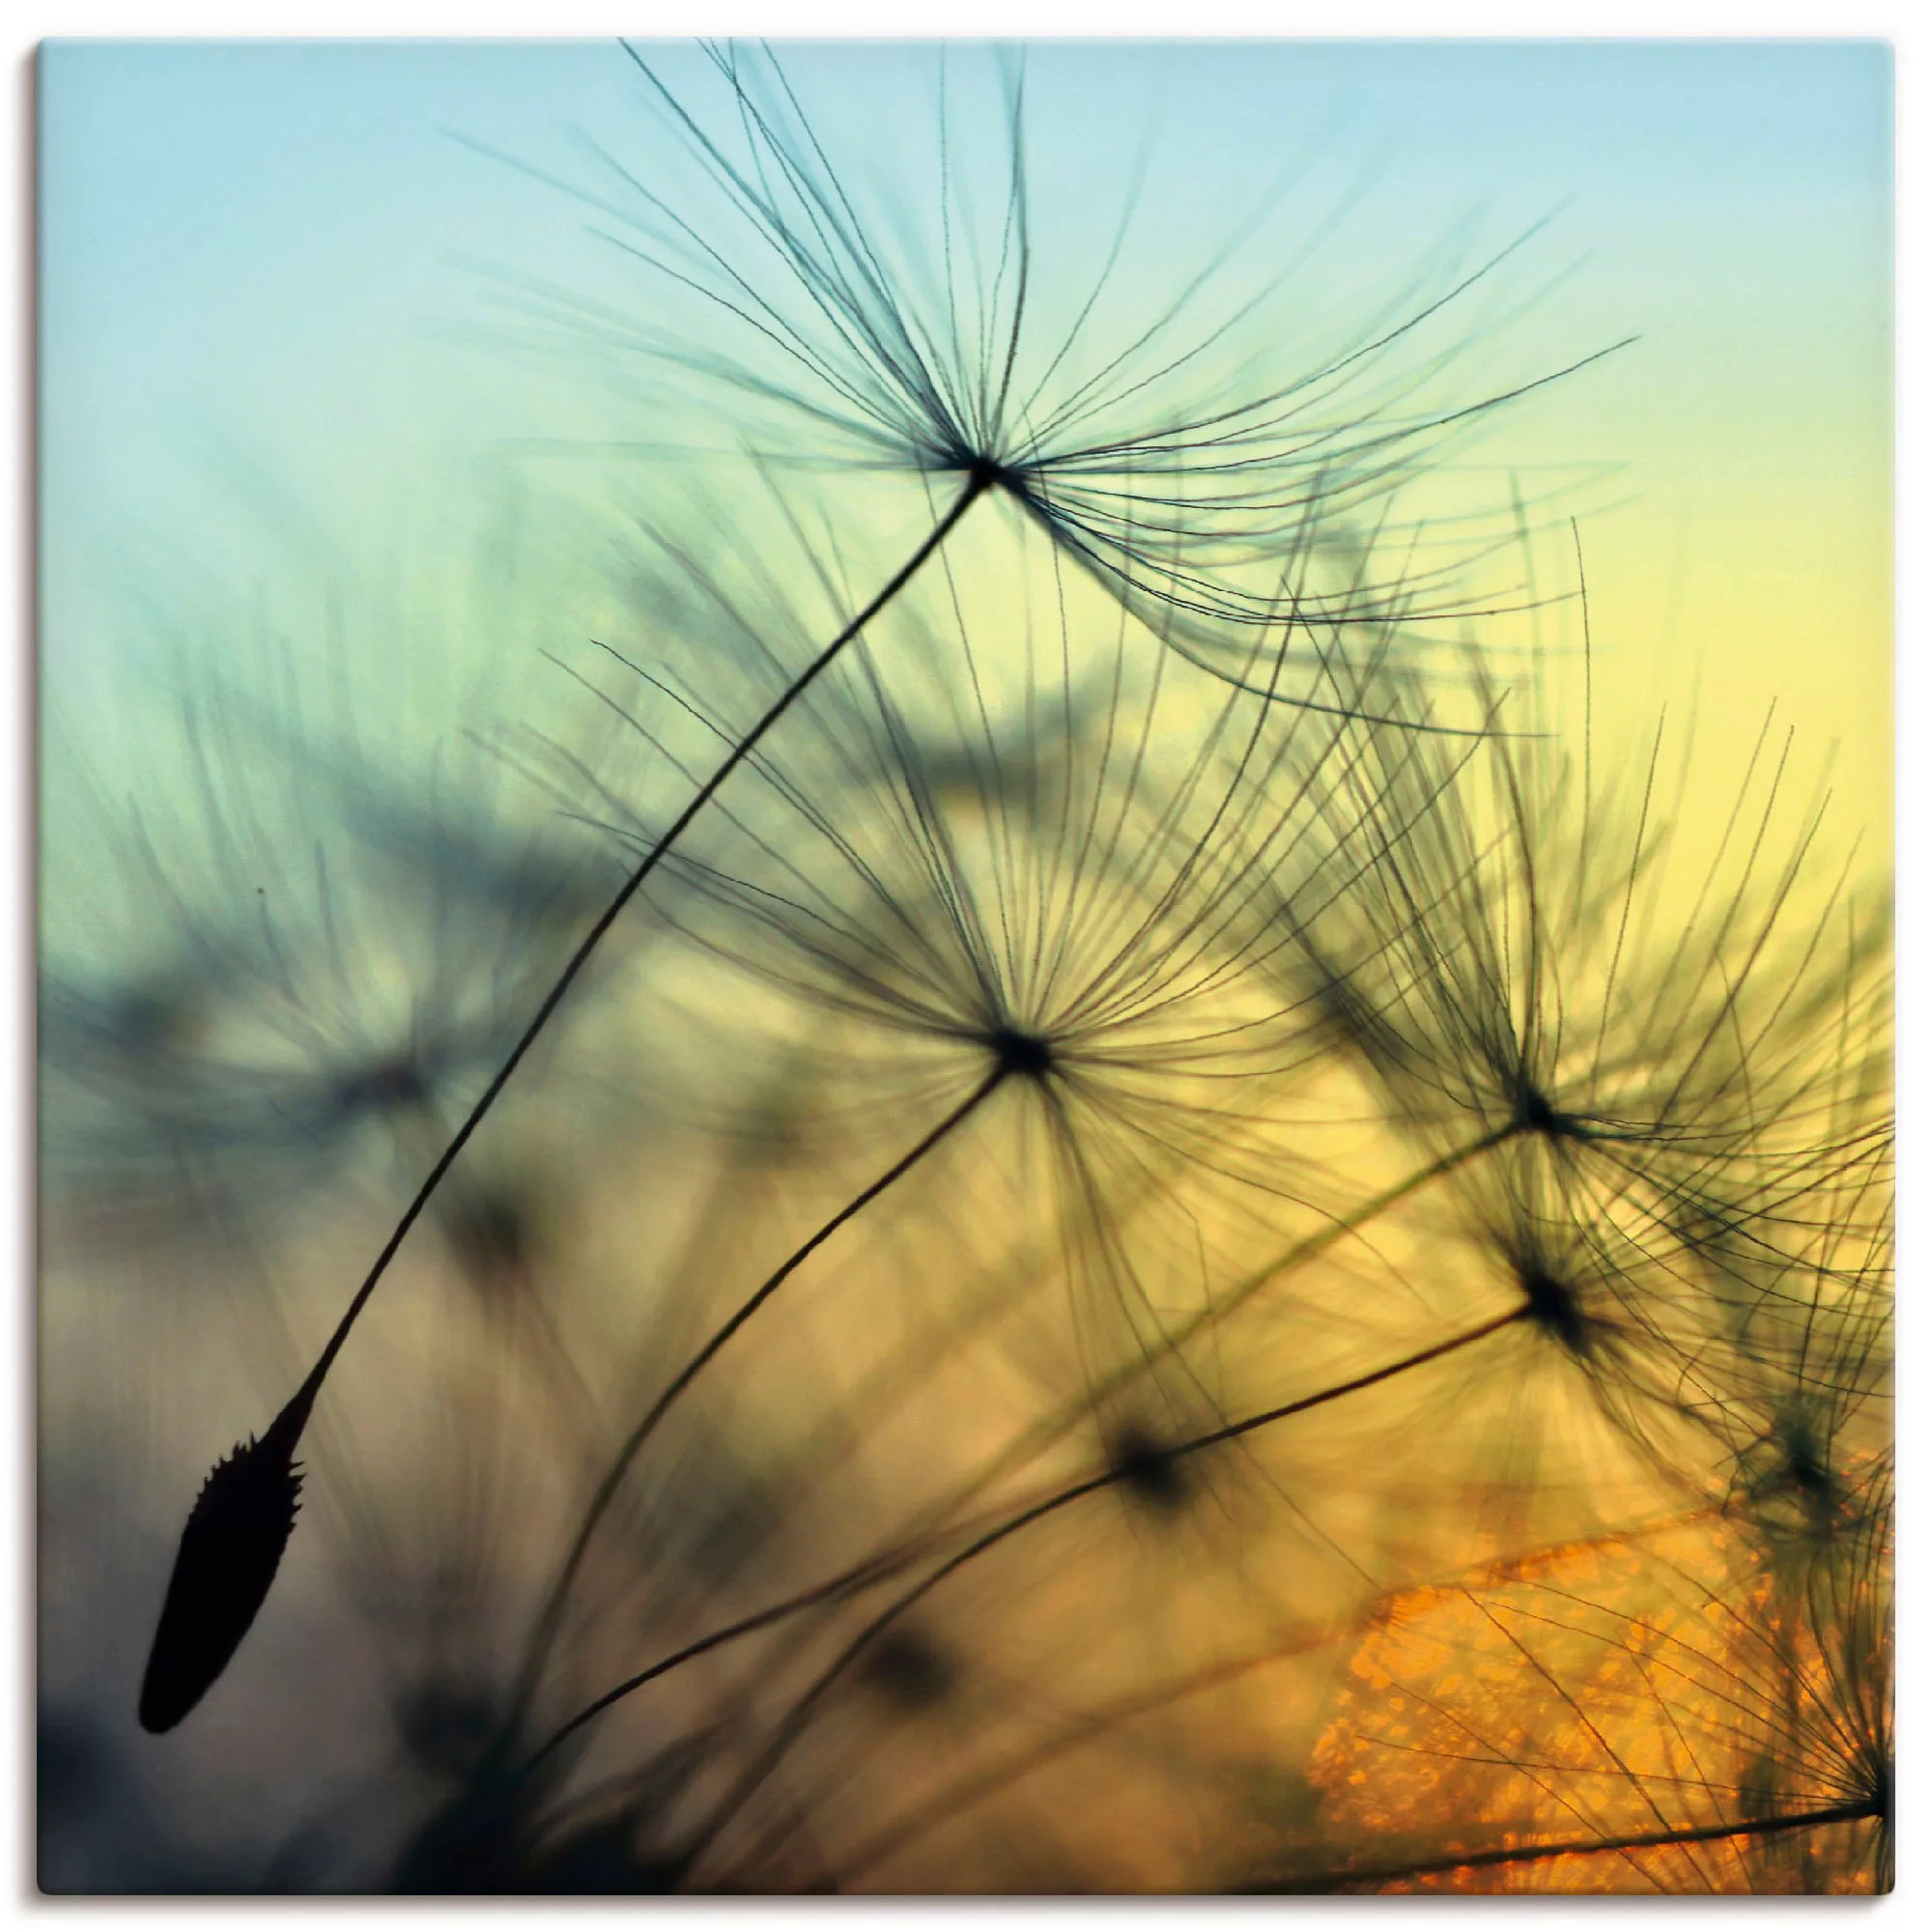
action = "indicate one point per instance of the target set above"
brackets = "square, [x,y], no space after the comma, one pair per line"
[259,263]
[270,354]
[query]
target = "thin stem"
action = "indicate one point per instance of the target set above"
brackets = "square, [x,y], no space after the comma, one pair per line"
[877,1568]
[284,1433]
[799,1714]
[986,1780]
[1309,1248]
[975,485]
[1635,1842]
[544,1630]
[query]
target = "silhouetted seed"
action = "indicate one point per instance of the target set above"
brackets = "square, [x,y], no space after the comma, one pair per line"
[908,1669]
[1021,1053]
[1148,1472]
[230,1550]
[1552,1304]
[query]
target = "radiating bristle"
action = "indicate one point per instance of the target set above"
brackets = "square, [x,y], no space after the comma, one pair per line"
[1035,1143]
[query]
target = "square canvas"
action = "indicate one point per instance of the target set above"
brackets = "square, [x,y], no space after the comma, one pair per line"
[965,968]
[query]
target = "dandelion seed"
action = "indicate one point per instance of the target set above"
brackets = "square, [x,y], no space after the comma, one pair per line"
[967,341]
[1148,1471]
[331,971]
[1507,971]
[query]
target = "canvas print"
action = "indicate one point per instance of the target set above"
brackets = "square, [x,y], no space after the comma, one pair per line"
[965,968]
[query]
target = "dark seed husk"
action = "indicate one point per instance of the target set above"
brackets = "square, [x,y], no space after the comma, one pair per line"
[230,1550]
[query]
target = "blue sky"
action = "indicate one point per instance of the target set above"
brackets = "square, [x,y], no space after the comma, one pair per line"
[261,288]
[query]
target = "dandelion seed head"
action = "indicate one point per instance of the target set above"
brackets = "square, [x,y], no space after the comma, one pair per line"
[1016,1051]
[1151,1475]
[1698,1696]
[1554,1307]
[1197,462]
[1534,1114]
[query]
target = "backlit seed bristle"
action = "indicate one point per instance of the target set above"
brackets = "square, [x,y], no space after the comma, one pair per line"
[929,956]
